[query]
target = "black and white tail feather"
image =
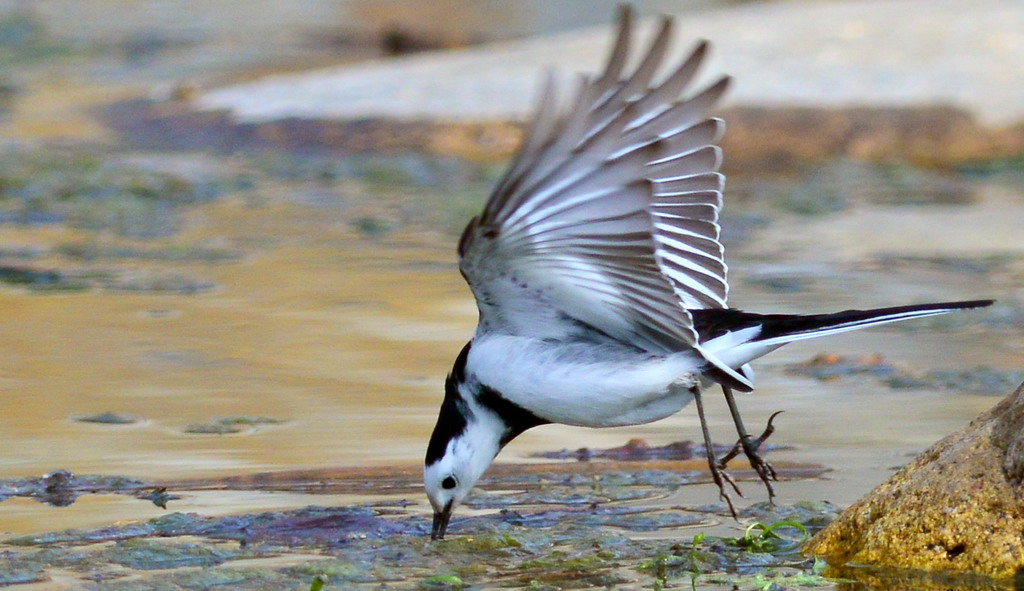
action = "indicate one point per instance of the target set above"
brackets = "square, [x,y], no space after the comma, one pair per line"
[737,337]
[600,278]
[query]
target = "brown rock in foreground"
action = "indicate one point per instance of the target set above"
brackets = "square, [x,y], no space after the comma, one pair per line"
[958,506]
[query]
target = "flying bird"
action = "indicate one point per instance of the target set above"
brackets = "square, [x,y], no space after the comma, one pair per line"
[600,279]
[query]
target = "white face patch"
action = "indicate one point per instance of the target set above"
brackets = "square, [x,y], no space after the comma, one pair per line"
[435,480]
[466,458]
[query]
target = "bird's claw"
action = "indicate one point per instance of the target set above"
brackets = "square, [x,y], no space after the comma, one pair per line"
[764,470]
[750,446]
[720,478]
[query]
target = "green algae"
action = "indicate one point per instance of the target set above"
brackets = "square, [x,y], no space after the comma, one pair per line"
[833,186]
[772,581]
[970,265]
[95,250]
[561,543]
[38,279]
[572,568]
[318,583]
[336,571]
[201,580]
[562,560]
[56,280]
[812,515]
[145,554]
[442,582]
[481,543]
[97,192]
[25,38]
[558,547]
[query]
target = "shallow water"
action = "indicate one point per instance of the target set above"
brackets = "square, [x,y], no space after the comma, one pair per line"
[346,340]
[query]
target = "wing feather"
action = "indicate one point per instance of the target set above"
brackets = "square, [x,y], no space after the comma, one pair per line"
[682,114]
[608,214]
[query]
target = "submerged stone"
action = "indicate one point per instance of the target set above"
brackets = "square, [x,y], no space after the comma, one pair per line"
[229,425]
[142,554]
[638,450]
[635,449]
[976,380]
[828,366]
[814,515]
[61,488]
[317,525]
[212,428]
[39,279]
[958,507]
[109,418]
[568,548]
[12,572]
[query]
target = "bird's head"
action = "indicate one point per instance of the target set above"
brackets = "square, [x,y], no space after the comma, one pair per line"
[474,423]
[450,479]
[463,445]
[464,442]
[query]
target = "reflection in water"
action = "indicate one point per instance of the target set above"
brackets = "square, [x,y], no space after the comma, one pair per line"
[61,488]
[56,488]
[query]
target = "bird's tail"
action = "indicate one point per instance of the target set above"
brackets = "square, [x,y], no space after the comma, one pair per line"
[736,337]
[785,328]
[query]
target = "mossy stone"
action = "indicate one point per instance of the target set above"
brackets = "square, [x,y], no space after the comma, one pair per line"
[958,506]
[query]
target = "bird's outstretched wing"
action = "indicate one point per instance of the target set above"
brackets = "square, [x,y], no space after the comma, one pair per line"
[608,214]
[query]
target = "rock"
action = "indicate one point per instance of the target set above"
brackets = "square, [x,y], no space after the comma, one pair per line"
[944,92]
[767,138]
[958,506]
[820,54]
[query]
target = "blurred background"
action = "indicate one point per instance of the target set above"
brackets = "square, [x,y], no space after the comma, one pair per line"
[227,228]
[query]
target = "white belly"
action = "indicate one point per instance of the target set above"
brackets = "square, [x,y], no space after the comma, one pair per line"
[582,384]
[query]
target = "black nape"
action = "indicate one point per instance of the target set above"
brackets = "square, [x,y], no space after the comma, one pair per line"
[451,419]
[516,418]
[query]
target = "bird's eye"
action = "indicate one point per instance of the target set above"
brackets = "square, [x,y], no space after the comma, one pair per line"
[448,483]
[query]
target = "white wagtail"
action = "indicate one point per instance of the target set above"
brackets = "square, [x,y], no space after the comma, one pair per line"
[600,281]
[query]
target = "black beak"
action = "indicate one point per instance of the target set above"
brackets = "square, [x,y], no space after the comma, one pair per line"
[441,522]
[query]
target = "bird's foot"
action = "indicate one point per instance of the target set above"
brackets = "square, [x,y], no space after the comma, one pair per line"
[750,446]
[721,478]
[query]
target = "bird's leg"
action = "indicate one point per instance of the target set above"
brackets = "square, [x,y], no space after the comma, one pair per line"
[736,449]
[717,473]
[750,445]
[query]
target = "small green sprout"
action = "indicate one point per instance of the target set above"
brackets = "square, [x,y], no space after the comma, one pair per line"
[759,537]
[695,570]
[697,539]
